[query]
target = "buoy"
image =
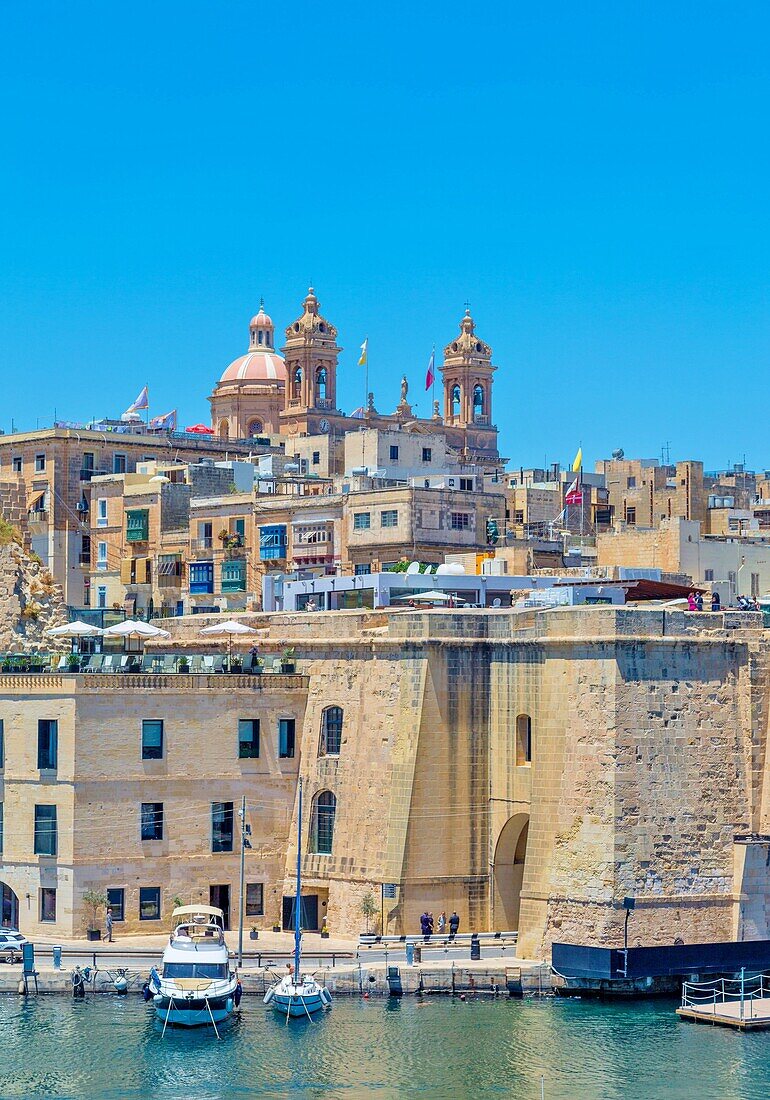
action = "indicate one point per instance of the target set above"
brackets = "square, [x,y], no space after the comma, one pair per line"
[269,996]
[238,994]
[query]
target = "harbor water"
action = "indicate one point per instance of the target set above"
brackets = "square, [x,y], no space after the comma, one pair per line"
[111,1047]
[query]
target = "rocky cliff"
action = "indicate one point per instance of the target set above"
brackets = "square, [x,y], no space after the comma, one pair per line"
[30,601]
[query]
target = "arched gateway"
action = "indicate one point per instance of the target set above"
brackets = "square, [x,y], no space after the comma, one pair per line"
[10,907]
[508,871]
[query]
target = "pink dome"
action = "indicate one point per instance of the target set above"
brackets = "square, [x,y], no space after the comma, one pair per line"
[256,366]
[261,320]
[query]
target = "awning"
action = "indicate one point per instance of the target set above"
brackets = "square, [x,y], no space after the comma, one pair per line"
[35,499]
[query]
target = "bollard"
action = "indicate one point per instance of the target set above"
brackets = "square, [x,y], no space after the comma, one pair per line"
[475,947]
[410,954]
[57,958]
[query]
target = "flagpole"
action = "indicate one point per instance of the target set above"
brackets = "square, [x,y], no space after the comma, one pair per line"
[433,382]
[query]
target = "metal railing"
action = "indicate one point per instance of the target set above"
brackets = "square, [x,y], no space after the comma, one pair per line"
[705,996]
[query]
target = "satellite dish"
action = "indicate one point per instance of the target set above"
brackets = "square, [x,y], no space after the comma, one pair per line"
[497,602]
[412,568]
[620,453]
[429,569]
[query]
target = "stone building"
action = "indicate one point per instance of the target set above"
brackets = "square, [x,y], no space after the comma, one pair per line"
[529,769]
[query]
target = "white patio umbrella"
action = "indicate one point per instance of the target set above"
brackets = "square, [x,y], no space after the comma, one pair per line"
[74,630]
[135,628]
[230,628]
[433,597]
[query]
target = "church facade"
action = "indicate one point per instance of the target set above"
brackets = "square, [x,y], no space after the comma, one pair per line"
[294,392]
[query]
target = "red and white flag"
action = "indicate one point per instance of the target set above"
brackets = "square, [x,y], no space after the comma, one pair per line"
[430,377]
[574,495]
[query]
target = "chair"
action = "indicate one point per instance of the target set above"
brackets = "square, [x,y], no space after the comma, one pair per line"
[64,662]
[195,664]
[110,661]
[94,663]
[147,661]
[219,662]
[207,663]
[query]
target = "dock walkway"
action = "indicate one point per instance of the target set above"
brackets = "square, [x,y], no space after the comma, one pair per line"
[742,1003]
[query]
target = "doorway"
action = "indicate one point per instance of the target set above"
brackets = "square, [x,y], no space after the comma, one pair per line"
[309,916]
[219,897]
[10,908]
[510,856]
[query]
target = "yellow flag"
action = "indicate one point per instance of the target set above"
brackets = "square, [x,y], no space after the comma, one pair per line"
[578,461]
[364,349]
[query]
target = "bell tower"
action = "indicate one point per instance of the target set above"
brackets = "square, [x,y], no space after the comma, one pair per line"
[311,355]
[467,372]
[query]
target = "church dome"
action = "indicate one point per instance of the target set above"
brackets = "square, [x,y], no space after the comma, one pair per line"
[261,320]
[256,366]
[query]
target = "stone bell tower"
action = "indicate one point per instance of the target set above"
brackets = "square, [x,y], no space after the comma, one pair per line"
[467,373]
[311,354]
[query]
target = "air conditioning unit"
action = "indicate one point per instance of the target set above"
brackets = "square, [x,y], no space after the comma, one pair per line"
[81,506]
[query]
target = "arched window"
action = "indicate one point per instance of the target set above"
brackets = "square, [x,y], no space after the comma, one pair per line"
[256,427]
[455,399]
[322,823]
[260,336]
[478,402]
[224,429]
[523,740]
[296,383]
[331,732]
[320,383]
[267,338]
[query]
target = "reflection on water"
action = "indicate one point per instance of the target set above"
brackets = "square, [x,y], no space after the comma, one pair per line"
[111,1047]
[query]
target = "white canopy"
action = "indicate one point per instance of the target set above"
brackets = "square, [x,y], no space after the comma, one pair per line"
[134,628]
[433,597]
[229,626]
[76,629]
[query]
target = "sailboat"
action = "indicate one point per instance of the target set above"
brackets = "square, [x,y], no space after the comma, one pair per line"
[298,994]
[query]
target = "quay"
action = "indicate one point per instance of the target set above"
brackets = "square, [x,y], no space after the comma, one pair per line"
[742,1003]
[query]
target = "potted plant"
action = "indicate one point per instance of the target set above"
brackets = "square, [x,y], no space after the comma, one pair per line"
[324,929]
[368,906]
[276,928]
[224,537]
[94,900]
[184,664]
[287,659]
[73,661]
[254,933]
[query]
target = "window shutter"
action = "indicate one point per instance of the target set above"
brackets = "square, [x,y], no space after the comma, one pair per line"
[126,571]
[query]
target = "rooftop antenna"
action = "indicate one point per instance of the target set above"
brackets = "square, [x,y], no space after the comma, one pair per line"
[665,453]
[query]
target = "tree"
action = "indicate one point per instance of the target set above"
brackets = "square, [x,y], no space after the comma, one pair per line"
[94,900]
[368,907]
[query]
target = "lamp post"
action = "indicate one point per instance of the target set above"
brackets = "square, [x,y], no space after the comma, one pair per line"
[245,843]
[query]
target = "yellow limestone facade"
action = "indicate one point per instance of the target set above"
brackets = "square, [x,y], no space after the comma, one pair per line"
[528,769]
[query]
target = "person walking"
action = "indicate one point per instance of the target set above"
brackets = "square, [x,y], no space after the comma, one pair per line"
[441,923]
[425,924]
[454,924]
[691,604]
[108,934]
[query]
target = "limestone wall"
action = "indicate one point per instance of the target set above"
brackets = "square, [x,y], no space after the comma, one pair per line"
[30,603]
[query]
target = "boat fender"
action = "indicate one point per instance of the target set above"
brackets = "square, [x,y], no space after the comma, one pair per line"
[269,996]
[154,981]
[238,994]
[78,984]
[121,982]
[87,973]
[326,996]
[146,991]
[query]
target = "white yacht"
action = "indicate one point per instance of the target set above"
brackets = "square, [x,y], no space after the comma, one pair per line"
[298,994]
[196,985]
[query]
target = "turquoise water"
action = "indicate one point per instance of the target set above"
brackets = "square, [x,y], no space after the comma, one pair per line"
[108,1047]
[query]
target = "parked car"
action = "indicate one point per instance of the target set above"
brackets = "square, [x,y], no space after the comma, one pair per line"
[11,943]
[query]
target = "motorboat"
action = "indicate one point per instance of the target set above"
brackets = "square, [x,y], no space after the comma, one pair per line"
[196,985]
[297,994]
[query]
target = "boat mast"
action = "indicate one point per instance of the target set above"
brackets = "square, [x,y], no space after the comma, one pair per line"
[298,905]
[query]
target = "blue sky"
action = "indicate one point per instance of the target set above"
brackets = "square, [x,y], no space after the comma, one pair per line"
[592,177]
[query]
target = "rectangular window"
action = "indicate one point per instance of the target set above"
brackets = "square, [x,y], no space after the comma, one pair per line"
[234,576]
[255,903]
[708,575]
[88,462]
[221,826]
[116,901]
[272,542]
[47,904]
[118,464]
[466,484]
[201,576]
[362,570]
[394,454]
[16,464]
[149,903]
[631,483]
[755,586]
[101,555]
[316,458]
[101,596]
[459,521]
[362,521]
[152,821]
[631,517]
[101,512]
[137,525]
[45,830]
[389,518]
[518,516]
[47,743]
[152,739]
[39,464]
[248,738]
[427,454]
[286,728]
